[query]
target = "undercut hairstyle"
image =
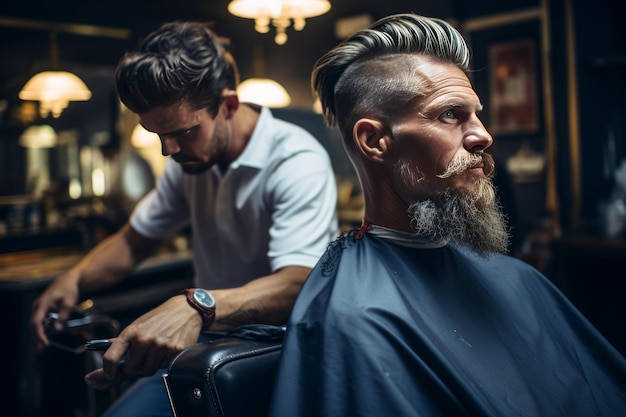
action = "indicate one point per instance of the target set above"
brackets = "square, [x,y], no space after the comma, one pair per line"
[179,62]
[375,72]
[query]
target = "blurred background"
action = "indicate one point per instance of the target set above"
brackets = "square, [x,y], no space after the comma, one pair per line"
[549,72]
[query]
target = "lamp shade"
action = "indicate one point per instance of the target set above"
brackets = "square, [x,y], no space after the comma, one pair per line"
[39,136]
[141,138]
[263,91]
[54,90]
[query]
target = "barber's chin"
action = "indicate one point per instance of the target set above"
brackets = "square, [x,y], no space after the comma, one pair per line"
[195,167]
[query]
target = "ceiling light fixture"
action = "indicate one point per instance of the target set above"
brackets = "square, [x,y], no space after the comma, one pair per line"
[279,13]
[54,89]
[262,90]
[142,138]
[38,137]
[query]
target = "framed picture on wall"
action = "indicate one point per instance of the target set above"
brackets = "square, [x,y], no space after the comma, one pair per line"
[513,87]
[506,74]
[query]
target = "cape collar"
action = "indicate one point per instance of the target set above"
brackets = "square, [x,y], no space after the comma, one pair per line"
[412,240]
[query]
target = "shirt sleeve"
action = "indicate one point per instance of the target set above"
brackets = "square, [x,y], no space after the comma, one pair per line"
[303,193]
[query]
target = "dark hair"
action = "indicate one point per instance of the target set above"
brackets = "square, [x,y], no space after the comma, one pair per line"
[370,72]
[178,62]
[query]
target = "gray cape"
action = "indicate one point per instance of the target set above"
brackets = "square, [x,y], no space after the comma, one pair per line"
[386,330]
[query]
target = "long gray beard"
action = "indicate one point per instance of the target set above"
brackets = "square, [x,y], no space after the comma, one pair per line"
[472,221]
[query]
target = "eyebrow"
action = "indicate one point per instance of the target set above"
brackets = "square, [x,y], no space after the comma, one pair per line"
[177,131]
[457,104]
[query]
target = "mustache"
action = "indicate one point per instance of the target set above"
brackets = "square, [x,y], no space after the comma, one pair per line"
[468,161]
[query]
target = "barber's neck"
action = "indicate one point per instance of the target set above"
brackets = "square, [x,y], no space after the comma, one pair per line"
[241,125]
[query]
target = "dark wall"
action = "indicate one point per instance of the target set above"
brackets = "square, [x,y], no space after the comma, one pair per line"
[24,51]
[600,62]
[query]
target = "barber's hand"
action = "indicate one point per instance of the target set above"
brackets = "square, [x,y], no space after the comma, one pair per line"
[60,297]
[149,343]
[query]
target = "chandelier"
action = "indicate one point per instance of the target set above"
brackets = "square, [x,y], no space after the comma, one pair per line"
[278,13]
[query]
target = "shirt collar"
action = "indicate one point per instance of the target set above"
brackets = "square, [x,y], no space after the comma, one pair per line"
[256,152]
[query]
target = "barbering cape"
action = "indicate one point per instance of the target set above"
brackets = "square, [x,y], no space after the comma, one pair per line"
[387,331]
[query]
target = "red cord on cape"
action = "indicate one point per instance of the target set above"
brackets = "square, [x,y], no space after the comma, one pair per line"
[364,228]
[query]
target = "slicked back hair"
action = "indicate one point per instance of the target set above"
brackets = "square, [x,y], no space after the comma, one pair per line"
[180,61]
[374,71]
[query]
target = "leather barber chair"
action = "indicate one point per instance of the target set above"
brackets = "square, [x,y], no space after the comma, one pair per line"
[232,375]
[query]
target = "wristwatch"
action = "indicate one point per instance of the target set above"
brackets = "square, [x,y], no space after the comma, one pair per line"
[204,303]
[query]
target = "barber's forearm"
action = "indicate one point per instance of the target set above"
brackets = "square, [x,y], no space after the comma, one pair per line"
[112,260]
[267,299]
[105,265]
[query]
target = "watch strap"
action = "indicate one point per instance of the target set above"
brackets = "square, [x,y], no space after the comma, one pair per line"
[207,314]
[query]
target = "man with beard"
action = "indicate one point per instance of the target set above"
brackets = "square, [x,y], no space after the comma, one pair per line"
[258,193]
[418,313]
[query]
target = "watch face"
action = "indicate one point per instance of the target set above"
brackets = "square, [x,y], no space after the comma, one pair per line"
[204,298]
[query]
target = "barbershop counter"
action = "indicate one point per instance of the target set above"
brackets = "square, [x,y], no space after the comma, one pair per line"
[23,275]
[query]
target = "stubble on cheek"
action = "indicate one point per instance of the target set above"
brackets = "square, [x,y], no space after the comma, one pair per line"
[409,173]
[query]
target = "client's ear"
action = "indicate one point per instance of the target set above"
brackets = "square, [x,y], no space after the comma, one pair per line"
[372,139]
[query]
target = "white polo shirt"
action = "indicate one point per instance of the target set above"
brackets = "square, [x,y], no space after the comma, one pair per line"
[274,207]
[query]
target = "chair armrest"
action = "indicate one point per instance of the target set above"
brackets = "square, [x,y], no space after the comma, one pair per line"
[228,377]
